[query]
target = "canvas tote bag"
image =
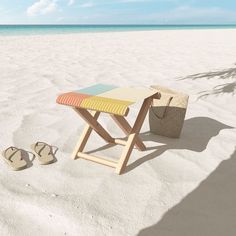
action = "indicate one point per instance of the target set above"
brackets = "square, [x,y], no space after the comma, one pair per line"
[166,115]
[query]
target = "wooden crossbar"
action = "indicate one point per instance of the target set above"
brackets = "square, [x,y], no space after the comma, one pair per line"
[120,141]
[96,159]
[124,125]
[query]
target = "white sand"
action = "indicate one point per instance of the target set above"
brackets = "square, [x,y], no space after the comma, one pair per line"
[178,187]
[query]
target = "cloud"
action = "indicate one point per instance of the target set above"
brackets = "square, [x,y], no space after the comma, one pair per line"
[71,2]
[42,7]
[87,4]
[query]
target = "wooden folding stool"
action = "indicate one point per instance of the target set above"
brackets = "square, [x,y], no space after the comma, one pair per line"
[114,101]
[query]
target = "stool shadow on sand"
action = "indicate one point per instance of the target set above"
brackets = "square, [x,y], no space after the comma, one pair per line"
[209,210]
[196,134]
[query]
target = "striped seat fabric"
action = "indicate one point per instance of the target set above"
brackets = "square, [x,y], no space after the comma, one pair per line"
[104,98]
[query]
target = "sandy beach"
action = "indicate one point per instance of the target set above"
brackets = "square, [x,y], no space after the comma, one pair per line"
[181,187]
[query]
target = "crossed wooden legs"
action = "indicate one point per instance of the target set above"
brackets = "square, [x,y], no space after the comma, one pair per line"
[131,132]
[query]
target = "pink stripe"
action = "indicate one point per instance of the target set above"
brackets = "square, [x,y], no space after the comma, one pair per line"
[71,99]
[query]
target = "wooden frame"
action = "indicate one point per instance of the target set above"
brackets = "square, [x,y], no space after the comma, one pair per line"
[131,132]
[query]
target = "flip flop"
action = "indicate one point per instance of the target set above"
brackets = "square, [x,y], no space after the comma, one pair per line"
[14,157]
[44,152]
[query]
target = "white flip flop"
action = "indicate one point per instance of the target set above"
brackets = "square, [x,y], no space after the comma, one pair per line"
[14,158]
[44,152]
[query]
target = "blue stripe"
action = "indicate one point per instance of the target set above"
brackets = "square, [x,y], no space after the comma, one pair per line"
[96,89]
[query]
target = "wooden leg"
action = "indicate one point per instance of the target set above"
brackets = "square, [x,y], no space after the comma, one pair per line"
[124,125]
[126,153]
[133,135]
[84,137]
[95,125]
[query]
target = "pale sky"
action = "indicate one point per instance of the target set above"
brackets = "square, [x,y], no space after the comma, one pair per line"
[118,12]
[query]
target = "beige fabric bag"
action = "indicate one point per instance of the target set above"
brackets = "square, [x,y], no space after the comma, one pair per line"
[166,115]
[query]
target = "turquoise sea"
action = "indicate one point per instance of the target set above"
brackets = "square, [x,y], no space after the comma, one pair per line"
[64,29]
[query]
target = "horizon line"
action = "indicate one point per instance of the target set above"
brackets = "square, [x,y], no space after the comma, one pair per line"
[204,24]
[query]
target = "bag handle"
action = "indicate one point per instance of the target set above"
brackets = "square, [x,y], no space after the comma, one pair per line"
[164,113]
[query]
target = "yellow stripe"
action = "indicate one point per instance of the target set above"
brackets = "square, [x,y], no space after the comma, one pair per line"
[114,106]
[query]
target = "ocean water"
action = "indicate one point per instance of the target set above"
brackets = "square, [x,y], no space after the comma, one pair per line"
[64,29]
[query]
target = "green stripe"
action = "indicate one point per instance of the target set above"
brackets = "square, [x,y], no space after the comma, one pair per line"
[96,89]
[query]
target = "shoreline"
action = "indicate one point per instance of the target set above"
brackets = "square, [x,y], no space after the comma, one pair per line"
[113,32]
[45,32]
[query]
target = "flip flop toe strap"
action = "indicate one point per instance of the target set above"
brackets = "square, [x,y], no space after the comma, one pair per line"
[44,145]
[41,149]
[13,154]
